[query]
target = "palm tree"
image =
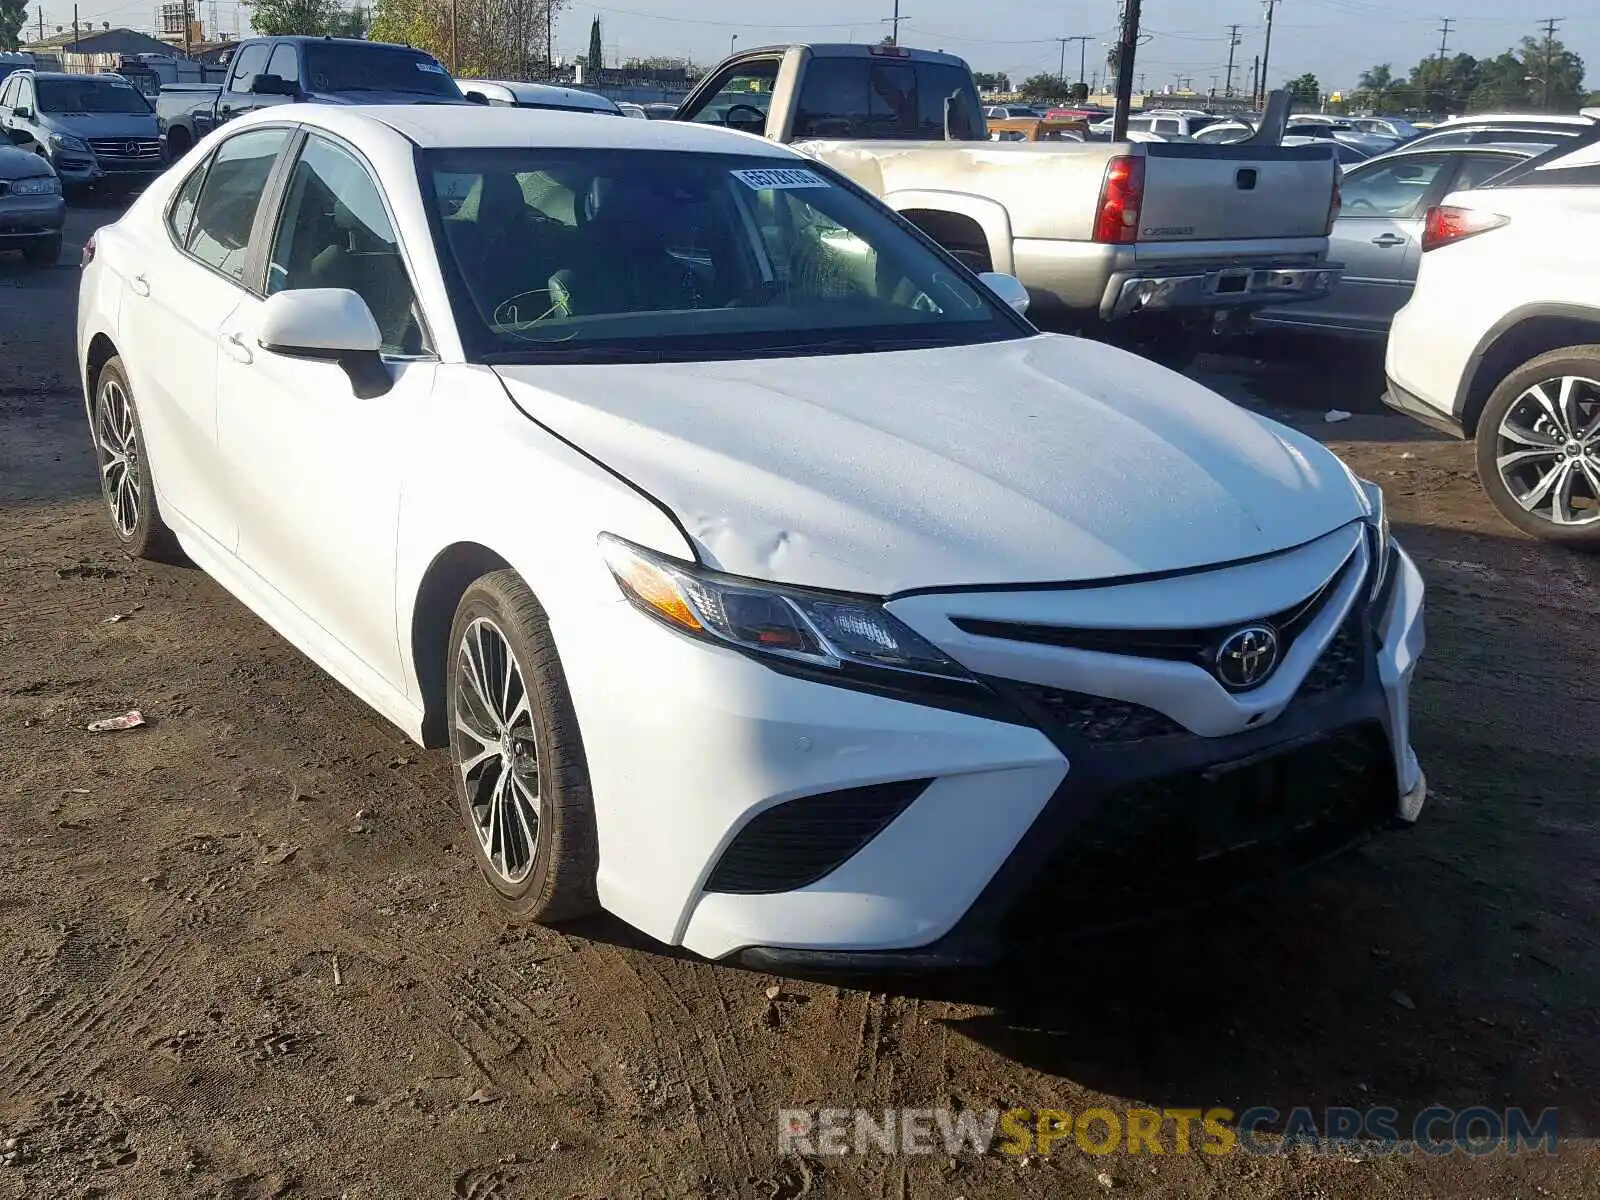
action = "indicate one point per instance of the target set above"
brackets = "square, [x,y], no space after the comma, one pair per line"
[1376,84]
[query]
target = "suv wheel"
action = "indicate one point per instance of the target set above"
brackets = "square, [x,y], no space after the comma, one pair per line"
[1539,446]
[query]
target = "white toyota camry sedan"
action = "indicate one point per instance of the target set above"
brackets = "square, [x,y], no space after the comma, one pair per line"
[772,582]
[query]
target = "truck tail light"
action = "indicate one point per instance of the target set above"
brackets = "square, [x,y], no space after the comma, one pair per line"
[1121,197]
[1338,198]
[1446,223]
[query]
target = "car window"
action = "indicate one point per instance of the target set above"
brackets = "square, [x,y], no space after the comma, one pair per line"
[1140,124]
[25,94]
[833,99]
[6,90]
[742,98]
[285,63]
[1393,189]
[352,67]
[250,60]
[1166,125]
[180,214]
[85,95]
[1478,169]
[230,196]
[695,254]
[334,232]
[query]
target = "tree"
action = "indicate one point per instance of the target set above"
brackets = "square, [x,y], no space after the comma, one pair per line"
[1376,86]
[494,39]
[1555,75]
[276,17]
[1306,89]
[1443,86]
[1044,87]
[13,16]
[992,81]
[597,51]
[1078,92]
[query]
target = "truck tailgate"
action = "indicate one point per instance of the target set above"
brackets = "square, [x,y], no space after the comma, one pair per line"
[1195,192]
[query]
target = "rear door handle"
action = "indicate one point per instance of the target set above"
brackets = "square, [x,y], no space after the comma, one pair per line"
[1389,239]
[237,350]
[140,285]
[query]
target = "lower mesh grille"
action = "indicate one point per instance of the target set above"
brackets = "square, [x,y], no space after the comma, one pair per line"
[1098,719]
[1169,842]
[1339,665]
[799,842]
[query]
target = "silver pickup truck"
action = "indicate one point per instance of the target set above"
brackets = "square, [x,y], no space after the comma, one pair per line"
[1146,242]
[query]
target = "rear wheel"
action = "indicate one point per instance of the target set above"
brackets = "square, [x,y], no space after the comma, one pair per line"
[522,781]
[125,481]
[1538,446]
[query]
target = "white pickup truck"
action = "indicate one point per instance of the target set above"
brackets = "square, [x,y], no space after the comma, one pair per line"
[1147,242]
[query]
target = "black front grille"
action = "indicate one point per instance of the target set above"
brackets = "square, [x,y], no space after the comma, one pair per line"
[1176,645]
[1097,719]
[800,841]
[126,148]
[1340,664]
[1167,843]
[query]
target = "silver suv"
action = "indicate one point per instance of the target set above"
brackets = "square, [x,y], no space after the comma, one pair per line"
[94,129]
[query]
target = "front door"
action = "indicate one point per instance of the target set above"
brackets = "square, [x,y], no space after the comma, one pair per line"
[317,470]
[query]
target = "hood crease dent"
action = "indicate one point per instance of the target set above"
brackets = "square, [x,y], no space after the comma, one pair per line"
[1048,459]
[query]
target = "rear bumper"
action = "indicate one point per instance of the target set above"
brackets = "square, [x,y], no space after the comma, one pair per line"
[1419,410]
[1213,287]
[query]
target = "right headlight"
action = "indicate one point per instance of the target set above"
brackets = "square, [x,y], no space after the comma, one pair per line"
[65,141]
[819,629]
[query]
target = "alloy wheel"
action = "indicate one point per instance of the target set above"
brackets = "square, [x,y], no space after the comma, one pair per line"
[1548,451]
[117,448]
[497,750]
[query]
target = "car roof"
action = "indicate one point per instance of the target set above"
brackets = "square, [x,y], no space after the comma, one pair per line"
[441,126]
[1507,149]
[1518,119]
[546,91]
[858,50]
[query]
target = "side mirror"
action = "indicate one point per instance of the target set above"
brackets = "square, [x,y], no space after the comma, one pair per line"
[22,112]
[326,325]
[1008,288]
[476,97]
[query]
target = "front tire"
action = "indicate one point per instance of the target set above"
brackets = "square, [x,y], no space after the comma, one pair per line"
[522,781]
[1538,447]
[125,481]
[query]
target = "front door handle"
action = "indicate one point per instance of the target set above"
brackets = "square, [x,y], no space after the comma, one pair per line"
[1389,239]
[237,350]
[140,285]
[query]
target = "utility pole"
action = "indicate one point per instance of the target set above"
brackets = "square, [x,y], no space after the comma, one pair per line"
[1255,80]
[1266,54]
[41,22]
[894,38]
[1550,24]
[74,28]
[1141,83]
[188,24]
[1127,47]
[1444,37]
[1233,44]
[1083,50]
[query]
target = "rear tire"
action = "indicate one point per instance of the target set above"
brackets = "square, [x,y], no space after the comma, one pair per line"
[522,780]
[45,252]
[125,480]
[1538,447]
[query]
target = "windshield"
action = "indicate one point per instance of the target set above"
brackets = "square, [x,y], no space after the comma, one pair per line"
[89,96]
[606,255]
[345,67]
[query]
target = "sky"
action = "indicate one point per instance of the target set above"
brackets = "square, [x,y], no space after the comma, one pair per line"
[1334,40]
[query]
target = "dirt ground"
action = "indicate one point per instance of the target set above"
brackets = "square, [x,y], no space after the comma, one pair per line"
[244,952]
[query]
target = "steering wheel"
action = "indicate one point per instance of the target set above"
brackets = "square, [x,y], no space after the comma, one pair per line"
[727,117]
[1361,202]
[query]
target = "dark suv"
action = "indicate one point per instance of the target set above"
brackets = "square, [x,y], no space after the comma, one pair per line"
[94,129]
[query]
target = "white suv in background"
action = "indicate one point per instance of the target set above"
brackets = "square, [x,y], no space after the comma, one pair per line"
[1501,340]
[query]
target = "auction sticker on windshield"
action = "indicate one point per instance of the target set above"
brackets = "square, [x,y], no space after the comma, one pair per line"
[780,177]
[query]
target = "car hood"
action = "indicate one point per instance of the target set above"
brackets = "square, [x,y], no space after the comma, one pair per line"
[22,164]
[1044,459]
[102,125]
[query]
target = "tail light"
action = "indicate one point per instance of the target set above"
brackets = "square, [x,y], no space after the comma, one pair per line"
[1338,198]
[88,252]
[1121,197]
[1446,223]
